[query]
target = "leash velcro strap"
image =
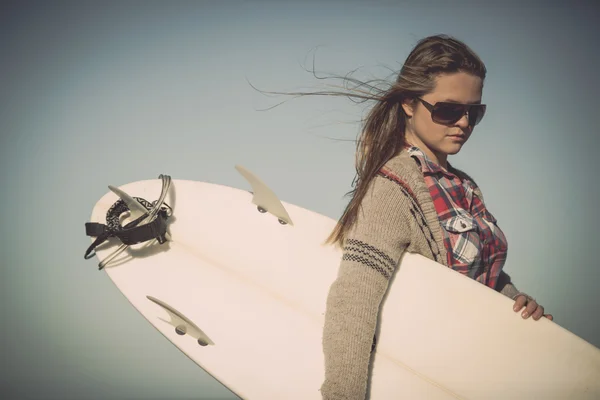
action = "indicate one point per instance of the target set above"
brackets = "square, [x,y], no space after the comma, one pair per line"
[153,230]
[95,229]
[129,234]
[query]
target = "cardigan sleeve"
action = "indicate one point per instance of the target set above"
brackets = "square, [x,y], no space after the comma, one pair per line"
[371,253]
[505,286]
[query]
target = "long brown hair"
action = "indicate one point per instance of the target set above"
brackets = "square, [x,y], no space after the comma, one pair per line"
[383,132]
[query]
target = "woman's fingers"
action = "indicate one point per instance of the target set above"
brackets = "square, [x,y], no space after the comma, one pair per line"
[538,313]
[532,308]
[520,303]
[532,305]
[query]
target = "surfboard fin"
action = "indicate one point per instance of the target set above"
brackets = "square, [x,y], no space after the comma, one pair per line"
[136,210]
[182,324]
[264,198]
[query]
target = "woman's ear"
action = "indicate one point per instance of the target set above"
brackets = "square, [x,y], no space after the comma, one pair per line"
[408,108]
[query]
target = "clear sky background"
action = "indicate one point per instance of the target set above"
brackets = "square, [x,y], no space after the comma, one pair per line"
[116,92]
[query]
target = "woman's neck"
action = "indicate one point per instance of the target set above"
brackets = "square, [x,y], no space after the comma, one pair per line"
[440,159]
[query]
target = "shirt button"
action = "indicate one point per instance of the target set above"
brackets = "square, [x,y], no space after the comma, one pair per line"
[462,224]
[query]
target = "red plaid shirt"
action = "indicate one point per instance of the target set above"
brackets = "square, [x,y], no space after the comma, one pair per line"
[475,245]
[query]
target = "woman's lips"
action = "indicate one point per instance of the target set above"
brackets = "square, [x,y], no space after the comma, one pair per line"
[458,137]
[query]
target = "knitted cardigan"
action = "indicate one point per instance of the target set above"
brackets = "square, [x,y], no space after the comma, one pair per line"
[396,215]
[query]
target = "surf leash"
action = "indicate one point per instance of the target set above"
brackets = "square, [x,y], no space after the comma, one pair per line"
[151,225]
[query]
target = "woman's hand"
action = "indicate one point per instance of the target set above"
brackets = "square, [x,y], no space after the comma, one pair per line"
[532,308]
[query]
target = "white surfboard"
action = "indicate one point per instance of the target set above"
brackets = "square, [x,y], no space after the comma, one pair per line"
[241,285]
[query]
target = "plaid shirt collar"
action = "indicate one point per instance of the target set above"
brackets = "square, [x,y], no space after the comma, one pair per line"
[428,166]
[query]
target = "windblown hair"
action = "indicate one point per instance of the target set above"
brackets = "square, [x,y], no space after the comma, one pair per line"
[383,132]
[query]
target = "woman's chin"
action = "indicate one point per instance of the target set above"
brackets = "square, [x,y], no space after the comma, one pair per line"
[453,148]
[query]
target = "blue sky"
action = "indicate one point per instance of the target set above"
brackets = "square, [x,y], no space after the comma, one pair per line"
[94,95]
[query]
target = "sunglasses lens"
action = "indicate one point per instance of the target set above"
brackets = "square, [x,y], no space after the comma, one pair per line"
[476,114]
[450,113]
[447,113]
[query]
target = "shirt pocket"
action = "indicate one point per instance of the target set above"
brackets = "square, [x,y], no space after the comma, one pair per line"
[464,237]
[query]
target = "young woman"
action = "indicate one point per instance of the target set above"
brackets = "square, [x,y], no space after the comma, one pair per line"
[409,198]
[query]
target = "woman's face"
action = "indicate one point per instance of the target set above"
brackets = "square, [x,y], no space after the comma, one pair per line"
[436,140]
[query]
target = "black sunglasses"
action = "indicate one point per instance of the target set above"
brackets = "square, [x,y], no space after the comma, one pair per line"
[447,113]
